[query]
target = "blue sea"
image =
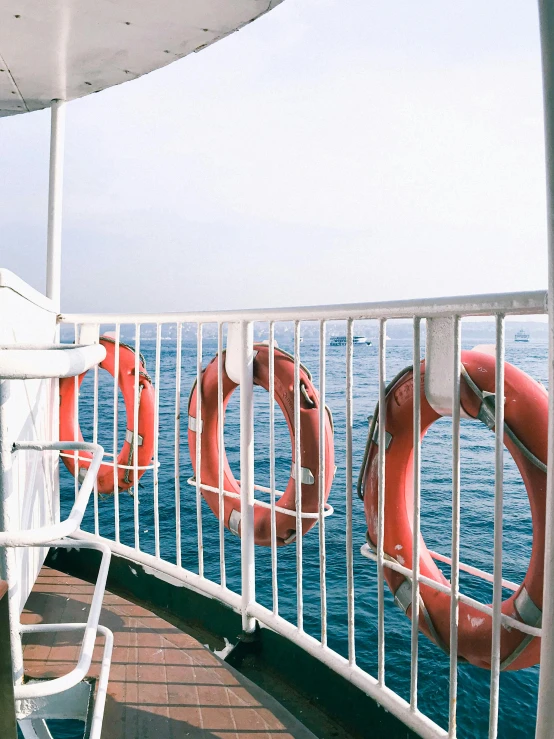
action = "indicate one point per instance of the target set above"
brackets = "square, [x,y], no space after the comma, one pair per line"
[518,690]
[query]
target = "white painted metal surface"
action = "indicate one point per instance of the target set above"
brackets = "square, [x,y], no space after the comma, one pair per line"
[247,474]
[233,356]
[545,714]
[498,528]
[55,197]
[416,515]
[456,498]
[45,534]
[517,303]
[439,364]
[68,49]
[29,496]
[35,361]
[17,286]
[50,708]
[43,688]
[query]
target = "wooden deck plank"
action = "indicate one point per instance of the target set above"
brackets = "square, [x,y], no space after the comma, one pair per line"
[164,684]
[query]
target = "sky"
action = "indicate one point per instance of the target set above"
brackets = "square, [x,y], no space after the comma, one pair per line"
[329,152]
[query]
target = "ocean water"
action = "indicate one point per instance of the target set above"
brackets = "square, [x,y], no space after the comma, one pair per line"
[518,690]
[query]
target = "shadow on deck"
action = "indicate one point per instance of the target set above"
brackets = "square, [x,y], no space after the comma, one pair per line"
[163,684]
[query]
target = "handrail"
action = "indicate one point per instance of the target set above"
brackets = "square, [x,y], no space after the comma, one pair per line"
[40,362]
[518,303]
[58,685]
[45,534]
[100,700]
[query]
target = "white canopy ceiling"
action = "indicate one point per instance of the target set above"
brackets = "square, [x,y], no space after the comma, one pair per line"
[65,49]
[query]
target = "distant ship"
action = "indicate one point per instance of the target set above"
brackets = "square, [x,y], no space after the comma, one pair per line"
[341,340]
[522,335]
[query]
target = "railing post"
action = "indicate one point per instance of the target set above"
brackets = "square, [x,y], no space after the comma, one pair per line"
[247,472]
[8,564]
[8,725]
[55,188]
[545,710]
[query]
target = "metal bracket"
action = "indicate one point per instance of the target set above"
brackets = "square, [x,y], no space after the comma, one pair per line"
[233,354]
[439,365]
[234,522]
[403,595]
[89,333]
[306,475]
[375,439]
[528,611]
[193,426]
[130,437]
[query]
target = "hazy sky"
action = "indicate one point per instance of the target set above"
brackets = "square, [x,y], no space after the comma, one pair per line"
[330,152]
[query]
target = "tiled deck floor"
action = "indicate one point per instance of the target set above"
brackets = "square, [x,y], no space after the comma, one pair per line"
[163,683]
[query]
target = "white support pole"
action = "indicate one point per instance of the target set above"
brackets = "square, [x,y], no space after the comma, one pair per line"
[9,570]
[545,710]
[247,473]
[55,190]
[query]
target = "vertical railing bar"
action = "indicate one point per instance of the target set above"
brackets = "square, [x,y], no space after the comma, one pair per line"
[156,439]
[381,504]
[349,550]
[321,483]
[136,437]
[177,464]
[199,449]
[455,556]
[76,417]
[95,441]
[545,706]
[220,450]
[298,480]
[272,485]
[416,513]
[116,431]
[248,562]
[498,526]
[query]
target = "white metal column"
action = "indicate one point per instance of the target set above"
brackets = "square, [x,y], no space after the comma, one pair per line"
[55,191]
[545,712]
[247,472]
[8,563]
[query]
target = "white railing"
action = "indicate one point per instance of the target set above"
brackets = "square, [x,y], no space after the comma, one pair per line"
[117,518]
[58,535]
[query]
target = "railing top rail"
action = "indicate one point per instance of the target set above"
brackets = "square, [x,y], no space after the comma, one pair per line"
[516,303]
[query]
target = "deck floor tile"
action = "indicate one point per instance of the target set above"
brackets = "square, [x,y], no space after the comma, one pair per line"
[164,684]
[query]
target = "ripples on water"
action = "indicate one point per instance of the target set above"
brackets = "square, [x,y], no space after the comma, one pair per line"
[518,690]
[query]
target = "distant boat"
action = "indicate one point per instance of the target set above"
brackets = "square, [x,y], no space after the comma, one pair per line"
[522,335]
[341,340]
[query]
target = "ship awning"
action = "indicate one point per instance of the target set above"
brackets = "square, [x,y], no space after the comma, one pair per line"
[65,49]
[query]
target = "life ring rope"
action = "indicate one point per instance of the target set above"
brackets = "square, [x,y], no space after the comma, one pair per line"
[142,373]
[327,511]
[486,416]
[373,426]
[403,599]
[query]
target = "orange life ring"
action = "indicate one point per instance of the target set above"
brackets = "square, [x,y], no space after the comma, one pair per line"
[526,419]
[126,381]
[285,524]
